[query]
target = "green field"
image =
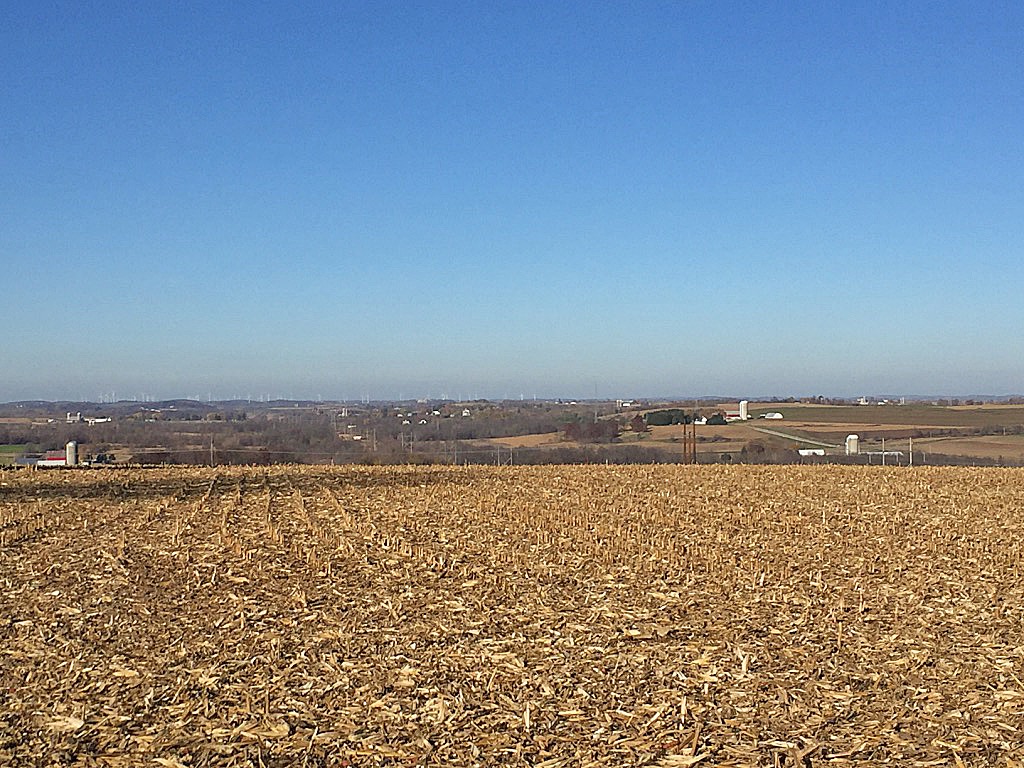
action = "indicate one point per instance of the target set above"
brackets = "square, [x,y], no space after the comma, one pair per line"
[917,414]
[8,453]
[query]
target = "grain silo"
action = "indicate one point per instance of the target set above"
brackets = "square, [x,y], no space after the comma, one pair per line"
[71,454]
[744,414]
[852,445]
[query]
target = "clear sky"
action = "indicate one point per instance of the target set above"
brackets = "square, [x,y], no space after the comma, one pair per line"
[414,199]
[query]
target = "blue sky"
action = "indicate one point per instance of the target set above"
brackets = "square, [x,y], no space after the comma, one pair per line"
[493,199]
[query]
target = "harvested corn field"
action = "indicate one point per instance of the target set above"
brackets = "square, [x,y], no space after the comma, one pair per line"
[553,616]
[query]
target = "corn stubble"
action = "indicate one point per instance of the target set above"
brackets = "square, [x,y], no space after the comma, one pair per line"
[551,616]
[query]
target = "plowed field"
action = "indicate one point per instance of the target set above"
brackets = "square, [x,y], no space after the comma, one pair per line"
[530,616]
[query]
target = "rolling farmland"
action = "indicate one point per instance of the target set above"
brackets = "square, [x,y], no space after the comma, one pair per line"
[492,616]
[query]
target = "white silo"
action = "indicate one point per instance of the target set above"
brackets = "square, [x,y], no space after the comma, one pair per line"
[743,410]
[71,454]
[852,445]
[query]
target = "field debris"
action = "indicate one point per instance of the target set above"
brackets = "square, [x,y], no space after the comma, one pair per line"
[490,616]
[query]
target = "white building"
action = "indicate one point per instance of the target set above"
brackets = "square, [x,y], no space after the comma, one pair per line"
[66,458]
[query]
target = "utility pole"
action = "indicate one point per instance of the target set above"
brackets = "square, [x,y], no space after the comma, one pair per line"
[690,442]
